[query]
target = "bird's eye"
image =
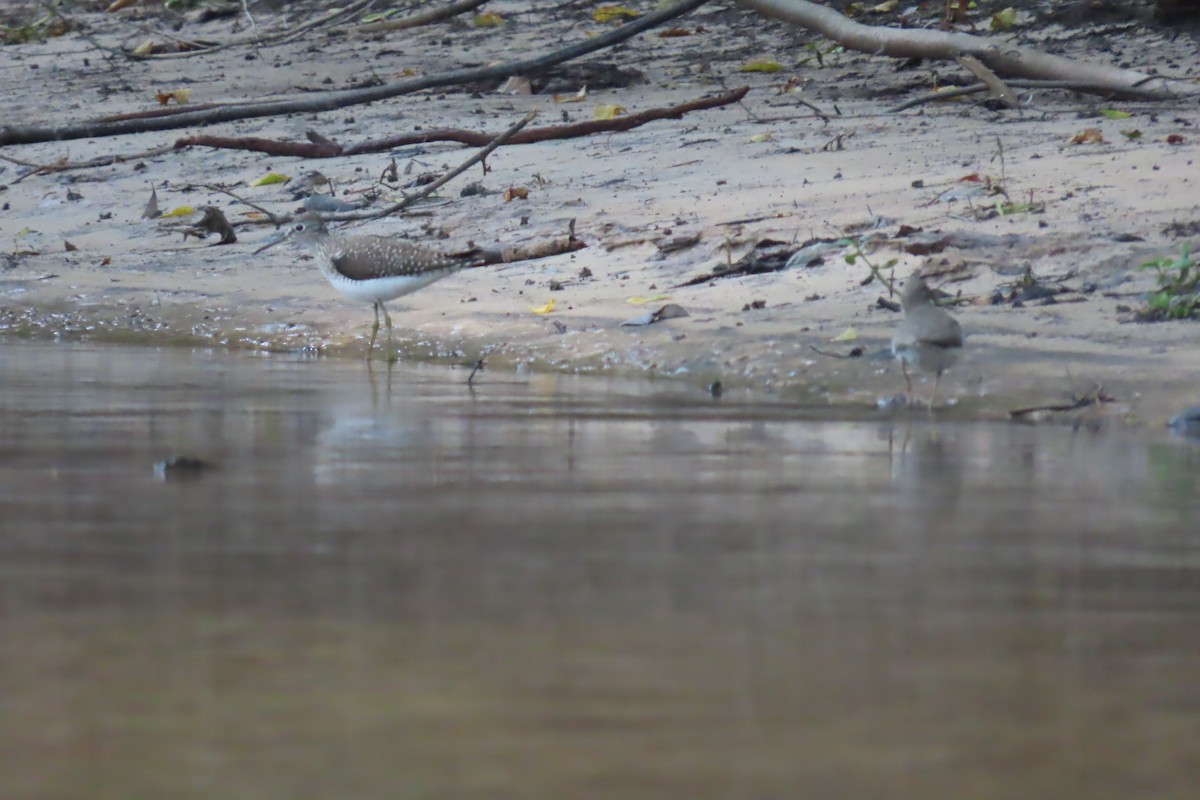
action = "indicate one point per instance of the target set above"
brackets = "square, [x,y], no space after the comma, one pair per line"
[298,227]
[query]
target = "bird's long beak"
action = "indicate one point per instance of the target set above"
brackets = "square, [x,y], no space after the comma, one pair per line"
[273,240]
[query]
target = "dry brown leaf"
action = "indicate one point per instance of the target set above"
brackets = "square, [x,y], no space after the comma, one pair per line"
[516,84]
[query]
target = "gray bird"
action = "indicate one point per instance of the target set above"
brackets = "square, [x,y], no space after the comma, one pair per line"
[929,339]
[372,269]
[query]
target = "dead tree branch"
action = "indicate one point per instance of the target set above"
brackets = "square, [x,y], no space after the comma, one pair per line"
[1003,59]
[471,138]
[329,101]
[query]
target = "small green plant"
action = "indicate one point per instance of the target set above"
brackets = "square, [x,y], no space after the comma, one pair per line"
[818,51]
[52,24]
[876,271]
[1178,295]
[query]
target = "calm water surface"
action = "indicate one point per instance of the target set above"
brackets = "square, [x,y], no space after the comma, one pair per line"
[391,587]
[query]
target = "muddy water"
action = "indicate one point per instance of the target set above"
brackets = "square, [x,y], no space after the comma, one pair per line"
[388,586]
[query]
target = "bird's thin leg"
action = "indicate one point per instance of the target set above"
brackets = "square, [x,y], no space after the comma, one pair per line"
[391,348]
[907,383]
[374,332]
[933,395]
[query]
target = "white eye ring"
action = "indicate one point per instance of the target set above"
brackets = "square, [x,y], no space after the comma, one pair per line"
[298,227]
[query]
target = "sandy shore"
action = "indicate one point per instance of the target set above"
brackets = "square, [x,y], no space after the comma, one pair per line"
[768,168]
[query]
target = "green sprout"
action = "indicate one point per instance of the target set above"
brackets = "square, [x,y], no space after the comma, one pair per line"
[876,270]
[1178,294]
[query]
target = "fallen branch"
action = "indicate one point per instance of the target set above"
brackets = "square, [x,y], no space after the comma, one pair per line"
[529,252]
[282,37]
[423,18]
[257,144]
[962,91]
[1001,58]
[327,149]
[323,148]
[329,101]
[91,163]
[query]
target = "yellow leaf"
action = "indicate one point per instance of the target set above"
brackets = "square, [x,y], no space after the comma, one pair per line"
[761,66]
[1113,113]
[848,335]
[488,20]
[269,179]
[1003,20]
[546,309]
[638,300]
[578,97]
[145,48]
[611,13]
[379,17]
[180,96]
[885,8]
[1088,136]
[180,211]
[607,111]
[759,138]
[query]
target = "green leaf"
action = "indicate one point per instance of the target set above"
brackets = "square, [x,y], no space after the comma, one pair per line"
[1003,20]
[761,66]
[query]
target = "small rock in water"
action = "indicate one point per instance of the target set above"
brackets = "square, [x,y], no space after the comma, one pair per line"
[1186,422]
[181,468]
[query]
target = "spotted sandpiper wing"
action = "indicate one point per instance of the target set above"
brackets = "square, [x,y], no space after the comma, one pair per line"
[929,339]
[371,269]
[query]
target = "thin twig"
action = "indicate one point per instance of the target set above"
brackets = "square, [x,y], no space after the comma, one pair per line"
[476,367]
[274,219]
[101,161]
[249,16]
[454,173]
[282,37]
[332,16]
[1096,398]
[422,18]
[1075,86]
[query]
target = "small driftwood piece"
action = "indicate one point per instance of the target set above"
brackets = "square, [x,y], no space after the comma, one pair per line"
[1096,397]
[328,149]
[989,79]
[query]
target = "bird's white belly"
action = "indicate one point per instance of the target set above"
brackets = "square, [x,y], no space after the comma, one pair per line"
[925,357]
[383,289]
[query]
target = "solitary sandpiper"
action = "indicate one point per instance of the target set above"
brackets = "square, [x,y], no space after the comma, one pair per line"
[929,339]
[373,269]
